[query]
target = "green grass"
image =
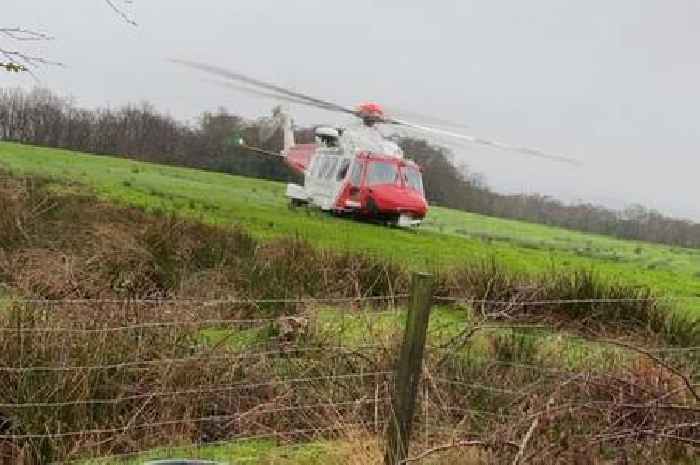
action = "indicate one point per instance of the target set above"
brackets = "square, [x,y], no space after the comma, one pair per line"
[344,327]
[447,238]
[363,328]
[533,236]
[238,339]
[355,329]
[253,452]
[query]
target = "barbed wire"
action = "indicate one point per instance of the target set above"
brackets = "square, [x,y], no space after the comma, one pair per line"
[380,376]
[170,361]
[180,323]
[301,300]
[475,411]
[563,301]
[199,390]
[181,421]
[554,332]
[244,386]
[483,387]
[253,321]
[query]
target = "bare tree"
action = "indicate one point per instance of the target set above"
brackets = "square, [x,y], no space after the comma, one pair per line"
[118,7]
[15,59]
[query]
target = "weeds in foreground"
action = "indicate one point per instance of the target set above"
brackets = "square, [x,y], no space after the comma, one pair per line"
[70,246]
[129,389]
[115,379]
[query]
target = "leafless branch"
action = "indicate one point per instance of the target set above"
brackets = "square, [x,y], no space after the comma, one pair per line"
[19,61]
[21,34]
[526,439]
[460,444]
[120,11]
[24,61]
[633,432]
[673,437]
[458,341]
[13,67]
[688,383]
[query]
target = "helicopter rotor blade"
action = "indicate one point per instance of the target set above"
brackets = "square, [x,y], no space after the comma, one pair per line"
[311,101]
[420,118]
[490,143]
[259,93]
[279,92]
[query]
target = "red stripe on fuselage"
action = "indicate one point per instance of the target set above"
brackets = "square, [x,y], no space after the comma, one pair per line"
[299,157]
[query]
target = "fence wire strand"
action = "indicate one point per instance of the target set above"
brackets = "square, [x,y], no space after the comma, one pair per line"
[180,421]
[203,390]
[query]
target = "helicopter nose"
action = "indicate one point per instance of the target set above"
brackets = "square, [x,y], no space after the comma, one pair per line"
[394,199]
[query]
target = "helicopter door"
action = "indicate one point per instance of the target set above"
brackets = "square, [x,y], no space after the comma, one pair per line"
[353,196]
[330,184]
[311,180]
[321,180]
[310,177]
[339,179]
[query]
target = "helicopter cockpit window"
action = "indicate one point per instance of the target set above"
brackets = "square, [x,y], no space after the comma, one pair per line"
[343,171]
[356,174]
[382,173]
[413,179]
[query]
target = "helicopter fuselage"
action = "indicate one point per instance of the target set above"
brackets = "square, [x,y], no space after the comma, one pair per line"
[362,184]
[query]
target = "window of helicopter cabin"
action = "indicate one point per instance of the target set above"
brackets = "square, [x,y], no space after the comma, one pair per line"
[331,163]
[413,179]
[356,173]
[323,162]
[316,167]
[343,171]
[382,172]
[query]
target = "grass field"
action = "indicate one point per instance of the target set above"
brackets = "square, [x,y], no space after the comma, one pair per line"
[447,238]
[77,246]
[262,452]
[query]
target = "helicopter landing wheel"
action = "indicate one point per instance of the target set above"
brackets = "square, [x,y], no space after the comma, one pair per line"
[372,208]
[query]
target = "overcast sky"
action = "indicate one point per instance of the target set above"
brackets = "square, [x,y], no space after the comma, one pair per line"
[615,84]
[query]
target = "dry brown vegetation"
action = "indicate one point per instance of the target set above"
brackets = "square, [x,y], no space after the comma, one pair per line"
[639,412]
[63,246]
[110,372]
[142,385]
[55,244]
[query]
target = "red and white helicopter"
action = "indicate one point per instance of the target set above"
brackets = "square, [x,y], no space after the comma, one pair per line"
[354,170]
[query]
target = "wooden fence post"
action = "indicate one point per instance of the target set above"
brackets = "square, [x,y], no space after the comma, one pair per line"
[408,370]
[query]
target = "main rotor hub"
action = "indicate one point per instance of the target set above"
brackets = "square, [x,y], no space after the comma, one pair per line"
[370,110]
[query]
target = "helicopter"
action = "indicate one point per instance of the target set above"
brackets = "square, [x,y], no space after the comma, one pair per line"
[350,171]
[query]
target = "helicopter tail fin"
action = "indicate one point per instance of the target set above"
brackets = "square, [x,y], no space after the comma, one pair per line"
[285,122]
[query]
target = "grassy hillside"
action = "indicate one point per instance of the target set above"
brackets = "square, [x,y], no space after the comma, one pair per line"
[98,364]
[447,238]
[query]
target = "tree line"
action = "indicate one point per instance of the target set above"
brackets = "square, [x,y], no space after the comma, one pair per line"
[456,187]
[140,132]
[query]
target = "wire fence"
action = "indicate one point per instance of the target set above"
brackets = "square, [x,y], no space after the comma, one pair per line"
[83,379]
[109,380]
